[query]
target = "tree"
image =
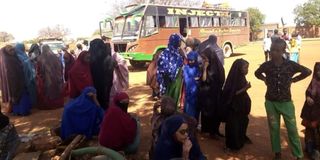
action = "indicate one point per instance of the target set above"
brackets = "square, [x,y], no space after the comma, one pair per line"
[57,31]
[308,13]
[256,19]
[5,37]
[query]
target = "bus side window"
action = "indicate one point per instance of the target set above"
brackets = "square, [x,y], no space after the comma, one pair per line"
[149,26]
[225,21]
[243,22]
[193,22]
[216,22]
[162,21]
[172,21]
[205,21]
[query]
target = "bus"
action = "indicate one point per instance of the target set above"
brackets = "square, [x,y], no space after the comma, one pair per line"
[144,29]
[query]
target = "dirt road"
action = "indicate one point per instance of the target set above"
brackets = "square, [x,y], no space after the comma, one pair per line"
[141,103]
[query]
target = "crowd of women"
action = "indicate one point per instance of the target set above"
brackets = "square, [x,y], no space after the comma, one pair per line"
[91,88]
[193,80]
[190,82]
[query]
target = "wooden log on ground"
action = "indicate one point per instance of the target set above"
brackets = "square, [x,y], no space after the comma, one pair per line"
[78,139]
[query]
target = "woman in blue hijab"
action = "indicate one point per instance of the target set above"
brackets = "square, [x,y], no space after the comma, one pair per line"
[29,72]
[169,74]
[82,115]
[191,76]
[174,141]
[29,94]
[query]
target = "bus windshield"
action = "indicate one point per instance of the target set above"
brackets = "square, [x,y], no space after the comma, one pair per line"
[131,27]
[118,27]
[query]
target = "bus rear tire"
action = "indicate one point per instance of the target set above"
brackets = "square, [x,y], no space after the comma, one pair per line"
[227,50]
[137,64]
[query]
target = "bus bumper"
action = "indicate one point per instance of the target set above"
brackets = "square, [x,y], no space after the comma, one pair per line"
[137,56]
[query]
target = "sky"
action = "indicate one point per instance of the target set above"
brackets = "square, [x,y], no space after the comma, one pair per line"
[24,18]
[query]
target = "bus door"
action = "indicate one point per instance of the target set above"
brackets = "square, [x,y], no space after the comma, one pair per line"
[183,26]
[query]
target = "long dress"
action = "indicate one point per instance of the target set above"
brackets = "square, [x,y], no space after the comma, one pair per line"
[29,96]
[237,106]
[11,76]
[69,61]
[190,73]
[210,92]
[49,80]
[169,73]
[152,75]
[102,66]
[310,113]
[120,75]
[79,75]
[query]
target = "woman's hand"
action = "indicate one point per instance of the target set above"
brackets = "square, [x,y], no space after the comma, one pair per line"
[186,149]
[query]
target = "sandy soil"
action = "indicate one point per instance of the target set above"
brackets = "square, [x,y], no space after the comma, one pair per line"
[141,104]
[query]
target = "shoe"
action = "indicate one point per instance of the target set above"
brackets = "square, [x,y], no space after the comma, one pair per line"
[277,156]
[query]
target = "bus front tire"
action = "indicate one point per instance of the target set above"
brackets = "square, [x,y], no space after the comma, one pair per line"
[227,50]
[137,64]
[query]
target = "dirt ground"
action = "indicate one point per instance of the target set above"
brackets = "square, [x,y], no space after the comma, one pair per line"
[141,104]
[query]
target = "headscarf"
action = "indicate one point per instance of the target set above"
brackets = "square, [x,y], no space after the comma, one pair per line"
[34,52]
[314,86]
[50,70]
[102,66]
[215,69]
[81,116]
[193,56]
[69,62]
[169,63]
[11,75]
[236,80]
[167,146]
[311,112]
[79,75]
[212,42]
[118,128]
[29,71]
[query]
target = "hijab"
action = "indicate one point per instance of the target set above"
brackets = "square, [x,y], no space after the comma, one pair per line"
[11,75]
[34,52]
[235,81]
[215,69]
[118,128]
[69,62]
[102,66]
[314,86]
[81,116]
[79,75]
[169,63]
[211,42]
[29,71]
[50,69]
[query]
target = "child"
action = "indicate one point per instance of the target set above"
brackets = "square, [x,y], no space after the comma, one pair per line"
[266,47]
[238,105]
[294,49]
[9,139]
[278,74]
[310,114]
[191,75]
